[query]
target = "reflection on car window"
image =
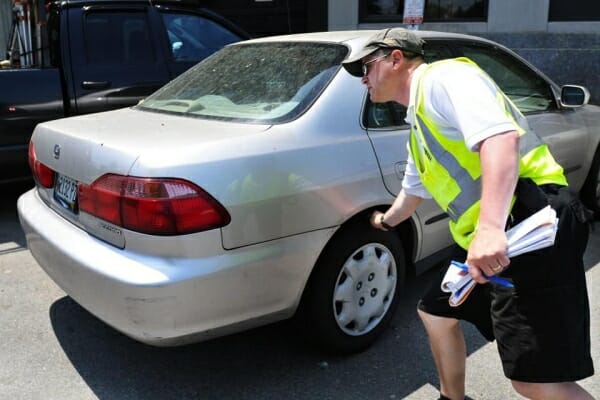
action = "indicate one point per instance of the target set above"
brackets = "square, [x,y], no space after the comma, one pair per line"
[384,115]
[261,82]
[193,38]
[436,52]
[117,38]
[524,87]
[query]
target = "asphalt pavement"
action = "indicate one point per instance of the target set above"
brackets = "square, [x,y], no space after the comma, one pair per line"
[51,348]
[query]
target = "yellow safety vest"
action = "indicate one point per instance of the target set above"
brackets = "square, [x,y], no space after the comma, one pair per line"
[452,173]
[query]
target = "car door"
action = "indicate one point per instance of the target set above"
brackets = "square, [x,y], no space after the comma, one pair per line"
[115,59]
[533,95]
[389,133]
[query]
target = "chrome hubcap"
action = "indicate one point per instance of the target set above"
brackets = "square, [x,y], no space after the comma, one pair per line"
[364,289]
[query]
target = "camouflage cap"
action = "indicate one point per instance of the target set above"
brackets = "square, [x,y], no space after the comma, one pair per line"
[390,38]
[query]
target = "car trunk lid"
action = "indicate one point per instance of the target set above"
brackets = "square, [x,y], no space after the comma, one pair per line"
[83,149]
[89,146]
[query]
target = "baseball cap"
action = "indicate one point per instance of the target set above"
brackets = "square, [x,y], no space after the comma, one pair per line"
[390,38]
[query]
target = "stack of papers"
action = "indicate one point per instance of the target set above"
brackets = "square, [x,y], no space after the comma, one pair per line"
[534,233]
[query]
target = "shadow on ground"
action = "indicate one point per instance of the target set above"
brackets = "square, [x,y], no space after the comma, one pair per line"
[11,235]
[272,362]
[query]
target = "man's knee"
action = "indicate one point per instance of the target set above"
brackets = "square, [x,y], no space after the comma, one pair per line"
[437,322]
[559,390]
[532,390]
[525,389]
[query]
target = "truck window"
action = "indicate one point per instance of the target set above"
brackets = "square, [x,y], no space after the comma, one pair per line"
[53,39]
[193,37]
[117,38]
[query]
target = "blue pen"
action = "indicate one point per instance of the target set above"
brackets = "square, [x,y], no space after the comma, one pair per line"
[494,279]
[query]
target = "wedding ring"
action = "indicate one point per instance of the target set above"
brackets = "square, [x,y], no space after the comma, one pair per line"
[498,268]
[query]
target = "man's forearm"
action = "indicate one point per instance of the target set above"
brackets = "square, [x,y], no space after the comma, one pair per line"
[500,172]
[402,208]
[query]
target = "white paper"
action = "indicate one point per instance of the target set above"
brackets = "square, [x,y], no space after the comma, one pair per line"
[458,282]
[534,233]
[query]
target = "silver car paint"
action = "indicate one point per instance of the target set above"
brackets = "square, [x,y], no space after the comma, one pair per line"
[307,177]
[172,300]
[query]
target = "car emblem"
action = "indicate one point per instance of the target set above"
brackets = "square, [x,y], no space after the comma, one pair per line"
[57,151]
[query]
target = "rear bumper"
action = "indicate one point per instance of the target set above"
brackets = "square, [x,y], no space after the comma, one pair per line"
[168,301]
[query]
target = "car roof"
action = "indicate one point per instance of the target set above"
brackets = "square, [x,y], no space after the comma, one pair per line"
[355,39]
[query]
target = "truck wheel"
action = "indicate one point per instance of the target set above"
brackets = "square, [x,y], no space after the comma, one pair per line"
[354,290]
[590,192]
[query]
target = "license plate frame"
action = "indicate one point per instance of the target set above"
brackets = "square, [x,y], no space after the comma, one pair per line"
[65,192]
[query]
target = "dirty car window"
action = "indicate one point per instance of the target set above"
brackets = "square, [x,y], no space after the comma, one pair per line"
[266,82]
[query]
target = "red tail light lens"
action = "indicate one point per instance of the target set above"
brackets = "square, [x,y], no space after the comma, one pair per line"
[153,206]
[41,173]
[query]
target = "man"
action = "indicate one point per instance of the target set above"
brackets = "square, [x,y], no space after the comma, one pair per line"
[472,151]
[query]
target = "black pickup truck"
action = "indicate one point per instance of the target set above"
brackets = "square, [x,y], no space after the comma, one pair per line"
[101,55]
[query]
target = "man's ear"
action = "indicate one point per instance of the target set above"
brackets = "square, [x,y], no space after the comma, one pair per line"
[397,56]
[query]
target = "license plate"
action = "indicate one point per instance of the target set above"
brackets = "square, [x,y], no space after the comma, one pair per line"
[65,192]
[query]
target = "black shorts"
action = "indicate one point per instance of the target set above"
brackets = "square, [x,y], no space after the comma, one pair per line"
[542,325]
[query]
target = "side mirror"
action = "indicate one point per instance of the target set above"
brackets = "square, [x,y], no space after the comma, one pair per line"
[572,96]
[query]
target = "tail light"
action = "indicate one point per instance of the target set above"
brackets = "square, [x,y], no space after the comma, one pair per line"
[41,173]
[152,206]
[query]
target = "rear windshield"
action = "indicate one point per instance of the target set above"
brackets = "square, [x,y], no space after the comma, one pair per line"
[264,83]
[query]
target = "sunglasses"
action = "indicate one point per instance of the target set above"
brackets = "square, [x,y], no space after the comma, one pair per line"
[365,66]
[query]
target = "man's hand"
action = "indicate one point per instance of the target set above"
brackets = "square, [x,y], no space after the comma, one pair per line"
[487,253]
[376,220]
[402,208]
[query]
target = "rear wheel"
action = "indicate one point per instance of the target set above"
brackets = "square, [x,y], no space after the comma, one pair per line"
[590,192]
[354,290]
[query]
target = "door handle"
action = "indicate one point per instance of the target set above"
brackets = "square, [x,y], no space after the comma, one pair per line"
[95,85]
[399,168]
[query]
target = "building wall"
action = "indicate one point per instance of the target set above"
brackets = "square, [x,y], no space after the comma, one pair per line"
[568,52]
[517,15]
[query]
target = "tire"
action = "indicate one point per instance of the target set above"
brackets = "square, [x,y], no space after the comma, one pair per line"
[590,192]
[354,289]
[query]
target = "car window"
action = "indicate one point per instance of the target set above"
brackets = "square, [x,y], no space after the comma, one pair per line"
[260,82]
[392,114]
[523,86]
[194,37]
[117,38]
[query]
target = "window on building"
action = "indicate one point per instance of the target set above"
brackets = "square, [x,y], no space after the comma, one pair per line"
[574,10]
[435,10]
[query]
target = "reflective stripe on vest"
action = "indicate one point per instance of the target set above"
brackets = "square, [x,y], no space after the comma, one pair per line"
[470,188]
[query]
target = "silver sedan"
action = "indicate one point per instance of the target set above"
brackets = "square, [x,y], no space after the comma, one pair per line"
[239,193]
